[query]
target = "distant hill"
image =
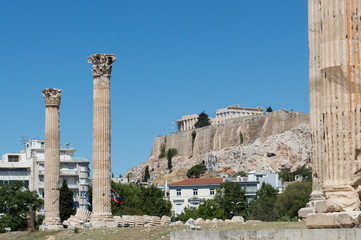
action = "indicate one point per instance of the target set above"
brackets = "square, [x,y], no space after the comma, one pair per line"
[273,141]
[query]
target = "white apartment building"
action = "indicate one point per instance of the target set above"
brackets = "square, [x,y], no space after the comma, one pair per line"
[190,192]
[28,166]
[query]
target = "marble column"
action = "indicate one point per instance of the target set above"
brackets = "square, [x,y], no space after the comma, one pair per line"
[52,99]
[335,108]
[101,162]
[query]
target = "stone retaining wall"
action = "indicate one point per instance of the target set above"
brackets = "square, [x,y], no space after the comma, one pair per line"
[291,234]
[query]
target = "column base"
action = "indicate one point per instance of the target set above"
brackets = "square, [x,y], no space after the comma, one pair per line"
[339,198]
[51,224]
[103,220]
[334,220]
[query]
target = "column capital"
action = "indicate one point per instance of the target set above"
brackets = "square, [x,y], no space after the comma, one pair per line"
[52,97]
[102,64]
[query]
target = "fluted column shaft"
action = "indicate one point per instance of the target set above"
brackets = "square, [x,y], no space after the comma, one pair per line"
[101,162]
[335,94]
[52,158]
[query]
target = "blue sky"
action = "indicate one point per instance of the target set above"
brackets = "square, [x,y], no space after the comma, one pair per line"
[173,58]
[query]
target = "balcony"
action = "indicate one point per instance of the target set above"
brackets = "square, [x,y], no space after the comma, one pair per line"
[69,172]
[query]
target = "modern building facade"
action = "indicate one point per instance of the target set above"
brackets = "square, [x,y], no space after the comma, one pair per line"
[190,192]
[28,166]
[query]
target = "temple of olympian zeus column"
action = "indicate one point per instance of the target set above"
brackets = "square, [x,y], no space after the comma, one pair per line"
[102,68]
[52,98]
[335,91]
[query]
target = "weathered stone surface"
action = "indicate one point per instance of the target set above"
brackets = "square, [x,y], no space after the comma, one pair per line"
[237,219]
[332,220]
[102,68]
[165,220]
[82,216]
[52,99]
[341,198]
[288,234]
[286,135]
[335,107]
[303,212]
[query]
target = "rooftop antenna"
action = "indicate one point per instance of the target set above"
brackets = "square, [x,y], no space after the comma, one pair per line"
[23,140]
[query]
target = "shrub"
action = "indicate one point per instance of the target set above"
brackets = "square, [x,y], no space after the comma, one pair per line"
[196,171]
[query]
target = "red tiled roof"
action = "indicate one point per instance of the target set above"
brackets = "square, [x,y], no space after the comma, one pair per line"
[198,181]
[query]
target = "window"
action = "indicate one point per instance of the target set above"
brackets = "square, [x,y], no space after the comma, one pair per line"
[195,192]
[211,191]
[13,158]
[179,192]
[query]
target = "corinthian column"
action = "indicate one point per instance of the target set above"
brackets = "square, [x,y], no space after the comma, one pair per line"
[52,98]
[335,111]
[102,68]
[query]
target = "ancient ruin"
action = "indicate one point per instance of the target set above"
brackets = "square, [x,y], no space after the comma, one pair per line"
[335,113]
[52,98]
[235,112]
[187,122]
[102,68]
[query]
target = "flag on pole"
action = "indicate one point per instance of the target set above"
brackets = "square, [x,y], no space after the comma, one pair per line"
[87,199]
[115,197]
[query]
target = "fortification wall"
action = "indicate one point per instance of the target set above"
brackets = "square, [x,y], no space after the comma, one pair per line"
[217,137]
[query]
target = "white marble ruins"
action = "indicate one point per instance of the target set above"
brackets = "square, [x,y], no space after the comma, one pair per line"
[187,122]
[102,68]
[52,98]
[335,108]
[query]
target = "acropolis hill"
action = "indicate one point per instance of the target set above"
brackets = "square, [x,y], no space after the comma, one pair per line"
[272,141]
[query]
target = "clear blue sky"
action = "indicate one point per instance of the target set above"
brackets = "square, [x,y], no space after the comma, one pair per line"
[173,58]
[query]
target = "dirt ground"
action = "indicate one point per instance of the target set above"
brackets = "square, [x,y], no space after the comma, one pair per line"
[141,233]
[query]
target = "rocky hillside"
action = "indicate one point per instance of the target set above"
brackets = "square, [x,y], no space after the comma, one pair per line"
[272,141]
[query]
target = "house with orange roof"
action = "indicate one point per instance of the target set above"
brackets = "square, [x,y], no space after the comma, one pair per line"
[190,192]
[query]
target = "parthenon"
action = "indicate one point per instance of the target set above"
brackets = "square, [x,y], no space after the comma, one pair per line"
[187,122]
[235,112]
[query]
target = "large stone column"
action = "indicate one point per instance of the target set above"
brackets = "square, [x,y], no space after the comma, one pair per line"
[52,98]
[335,111]
[102,68]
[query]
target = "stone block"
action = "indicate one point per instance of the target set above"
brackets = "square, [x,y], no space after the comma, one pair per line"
[303,212]
[98,224]
[332,220]
[111,224]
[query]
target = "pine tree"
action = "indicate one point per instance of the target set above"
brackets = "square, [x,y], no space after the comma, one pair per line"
[203,120]
[66,206]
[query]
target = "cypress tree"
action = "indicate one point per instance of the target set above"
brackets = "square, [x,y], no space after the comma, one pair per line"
[66,206]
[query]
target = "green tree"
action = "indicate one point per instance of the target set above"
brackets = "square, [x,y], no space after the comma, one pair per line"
[196,171]
[241,138]
[170,154]
[262,206]
[287,176]
[146,174]
[295,196]
[269,109]
[203,120]
[66,205]
[138,200]
[153,202]
[188,212]
[305,173]
[15,200]
[194,134]
[240,173]
[231,197]
[162,151]
[209,209]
